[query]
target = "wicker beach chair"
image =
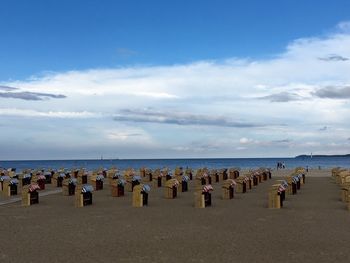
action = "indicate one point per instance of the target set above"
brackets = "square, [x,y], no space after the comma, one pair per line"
[68,186]
[83,195]
[117,187]
[140,195]
[202,196]
[10,187]
[276,195]
[228,189]
[30,194]
[170,189]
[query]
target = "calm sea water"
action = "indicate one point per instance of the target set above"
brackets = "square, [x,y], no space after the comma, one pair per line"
[243,163]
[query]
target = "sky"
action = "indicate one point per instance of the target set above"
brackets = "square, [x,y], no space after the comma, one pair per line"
[173,79]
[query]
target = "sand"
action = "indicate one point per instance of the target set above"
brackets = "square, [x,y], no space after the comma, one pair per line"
[313,226]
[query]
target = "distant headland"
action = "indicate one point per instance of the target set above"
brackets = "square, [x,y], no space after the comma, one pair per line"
[322,155]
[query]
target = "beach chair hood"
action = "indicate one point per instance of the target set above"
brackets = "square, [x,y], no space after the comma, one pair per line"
[207,188]
[33,187]
[146,188]
[87,188]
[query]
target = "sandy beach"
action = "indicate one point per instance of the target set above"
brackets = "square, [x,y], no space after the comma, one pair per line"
[313,226]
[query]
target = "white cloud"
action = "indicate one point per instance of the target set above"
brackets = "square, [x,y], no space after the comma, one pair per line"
[128,134]
[245,140]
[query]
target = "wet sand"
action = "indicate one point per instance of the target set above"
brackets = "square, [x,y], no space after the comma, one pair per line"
[313,226]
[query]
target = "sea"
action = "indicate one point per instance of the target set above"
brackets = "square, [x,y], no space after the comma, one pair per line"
[242,163]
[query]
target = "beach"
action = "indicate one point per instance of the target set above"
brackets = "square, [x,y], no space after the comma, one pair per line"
[312,226]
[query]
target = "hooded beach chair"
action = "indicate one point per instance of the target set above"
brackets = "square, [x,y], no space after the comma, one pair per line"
[97,182]
[276,195]
[3,179]
[58,178]
[170,189]
[10,187]
[30,194]
[183,186]
[83,195]
[40,179]
[214,175]
[203,196]
[241,186]
[140,195]
[117,187]
[189,173]
[223,174]
[128,176]
[233,173]
[148,175]
[24,179]
[69,185]
[48,176]
[136,180]
[228,189]
[157,176]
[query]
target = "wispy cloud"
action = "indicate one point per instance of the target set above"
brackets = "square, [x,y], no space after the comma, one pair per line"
[282,141]
[249,141]
[7,88]
[180,118]
[334,57]
[122,135]
[282,97]
[48,114]
[199,147]
[30,95]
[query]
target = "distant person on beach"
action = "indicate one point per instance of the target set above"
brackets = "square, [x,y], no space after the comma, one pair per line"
[283,165]
[279,165]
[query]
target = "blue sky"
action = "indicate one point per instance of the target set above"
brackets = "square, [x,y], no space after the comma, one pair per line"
[140,79]
[39,36]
